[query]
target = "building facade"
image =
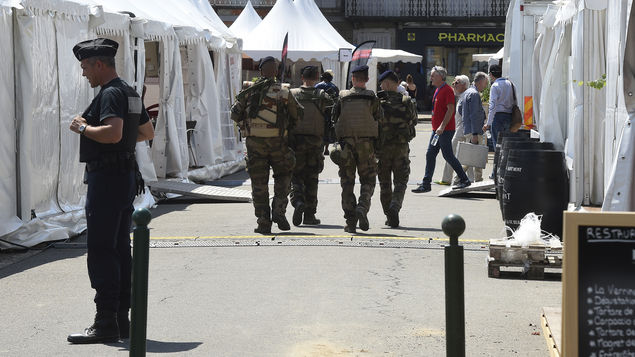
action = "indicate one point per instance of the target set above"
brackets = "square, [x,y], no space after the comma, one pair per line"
[444,32]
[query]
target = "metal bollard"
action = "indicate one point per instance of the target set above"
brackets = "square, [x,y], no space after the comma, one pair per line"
[453,226]
[139,309]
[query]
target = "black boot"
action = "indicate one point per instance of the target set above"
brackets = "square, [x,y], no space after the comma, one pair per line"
[263,228]
[310,220]
[351,226]
[124,324]
[103,330]
[297,214]
[392,216]
[282,222]
[361,217]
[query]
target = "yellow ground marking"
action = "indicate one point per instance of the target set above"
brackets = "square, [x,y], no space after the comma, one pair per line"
[317,237]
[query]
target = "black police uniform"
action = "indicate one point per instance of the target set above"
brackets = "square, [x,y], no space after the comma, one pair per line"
[111,190]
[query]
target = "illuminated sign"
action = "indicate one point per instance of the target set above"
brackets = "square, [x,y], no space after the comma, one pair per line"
[471,37]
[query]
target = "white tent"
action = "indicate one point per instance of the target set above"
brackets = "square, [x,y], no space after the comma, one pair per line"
[305,41]
[245,22]
[9,221]
[383,55]
[490,58]
[620,107]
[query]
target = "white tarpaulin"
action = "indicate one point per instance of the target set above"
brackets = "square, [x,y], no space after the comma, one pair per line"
[9,221]
[245,22]
[585,137]
[306,42]
[620,193]
[383,55]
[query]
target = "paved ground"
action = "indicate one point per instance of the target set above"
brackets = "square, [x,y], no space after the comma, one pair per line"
[217,289]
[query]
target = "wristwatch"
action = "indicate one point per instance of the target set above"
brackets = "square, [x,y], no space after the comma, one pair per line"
[82,129]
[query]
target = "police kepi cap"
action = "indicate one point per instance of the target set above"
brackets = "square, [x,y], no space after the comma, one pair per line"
[389,75]
[265,60]
[96,47]
[362,68]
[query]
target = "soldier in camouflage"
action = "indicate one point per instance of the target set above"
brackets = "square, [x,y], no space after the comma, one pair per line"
[356,115]
[265,112]
[306,140]
[395,131]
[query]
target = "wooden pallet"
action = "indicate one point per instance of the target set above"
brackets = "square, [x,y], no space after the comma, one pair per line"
[533,259]
[551,322]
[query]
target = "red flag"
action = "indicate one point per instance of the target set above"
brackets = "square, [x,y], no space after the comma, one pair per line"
[283,62]
[361,54]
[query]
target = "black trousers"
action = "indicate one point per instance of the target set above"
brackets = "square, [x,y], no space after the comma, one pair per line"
[108,215]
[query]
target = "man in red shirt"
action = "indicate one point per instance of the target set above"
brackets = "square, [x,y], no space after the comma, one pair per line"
[442,132]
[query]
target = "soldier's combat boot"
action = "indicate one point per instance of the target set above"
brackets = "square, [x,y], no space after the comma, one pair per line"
[361,217]
[351,225]
[297,214]
[392,216]
[310,220]
[263,228]
[281,221]
[103,330]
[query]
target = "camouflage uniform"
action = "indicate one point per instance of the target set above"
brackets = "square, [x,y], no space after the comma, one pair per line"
[306,140]
[356,115]
[265,112]
[395,131]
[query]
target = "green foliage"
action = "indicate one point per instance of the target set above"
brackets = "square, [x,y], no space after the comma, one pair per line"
[485,94]
[597,84]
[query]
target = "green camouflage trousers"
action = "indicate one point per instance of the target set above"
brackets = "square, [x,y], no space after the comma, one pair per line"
[393,161]
[358,154]
[263,153]
[309,162]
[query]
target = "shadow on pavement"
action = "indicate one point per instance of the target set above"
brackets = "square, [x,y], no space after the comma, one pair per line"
[160,347]
[46,256]
[419,229]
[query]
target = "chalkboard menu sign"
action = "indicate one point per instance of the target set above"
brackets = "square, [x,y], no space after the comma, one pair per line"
[598,302]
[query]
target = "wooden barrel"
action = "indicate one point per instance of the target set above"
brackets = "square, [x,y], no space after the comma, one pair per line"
[499,143]
[502,161]
[536,181]
[499,151]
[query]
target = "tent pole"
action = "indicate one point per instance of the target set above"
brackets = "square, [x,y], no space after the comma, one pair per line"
[18,193]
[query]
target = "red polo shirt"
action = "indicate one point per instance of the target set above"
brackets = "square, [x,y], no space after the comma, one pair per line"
[443,96]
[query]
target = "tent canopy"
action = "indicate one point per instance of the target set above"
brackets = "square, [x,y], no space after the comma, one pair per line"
[385,55]
[305,40]
[485,57]
[245,22]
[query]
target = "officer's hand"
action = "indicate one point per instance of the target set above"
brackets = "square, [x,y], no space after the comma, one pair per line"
[440,131]
[475,139]
[76,123]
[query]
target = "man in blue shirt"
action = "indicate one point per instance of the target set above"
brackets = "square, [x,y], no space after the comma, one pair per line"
[326,84]
[501,100]
[473,119]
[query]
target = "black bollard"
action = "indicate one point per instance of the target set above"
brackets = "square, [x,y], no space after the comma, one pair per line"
[139,309]
[453,226]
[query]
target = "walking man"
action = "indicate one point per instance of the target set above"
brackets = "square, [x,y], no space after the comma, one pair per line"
[501,100]
[460,85]
[473,119]
[443,127]
[395,132]
[357,114]
[109,130]
[306,140]
[265,112]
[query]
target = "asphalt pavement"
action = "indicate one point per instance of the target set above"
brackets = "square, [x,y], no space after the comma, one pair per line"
[218,289]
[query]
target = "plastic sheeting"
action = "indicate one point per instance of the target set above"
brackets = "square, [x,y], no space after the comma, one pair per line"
[169,147]
[620,193]
[245,22]
[585,136]
[202,105]
[9,221]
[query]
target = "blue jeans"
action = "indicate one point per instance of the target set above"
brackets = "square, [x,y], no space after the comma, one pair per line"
[500,124]
[445,145]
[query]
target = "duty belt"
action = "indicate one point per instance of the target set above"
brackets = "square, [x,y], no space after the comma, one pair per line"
[121,161]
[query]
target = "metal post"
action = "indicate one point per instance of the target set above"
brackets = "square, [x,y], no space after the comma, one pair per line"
[139,310]
[453,226]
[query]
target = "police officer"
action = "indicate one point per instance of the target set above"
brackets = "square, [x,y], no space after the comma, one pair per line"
[265,112]
[109,130]
[306,141]
[356,115]
[395,131]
